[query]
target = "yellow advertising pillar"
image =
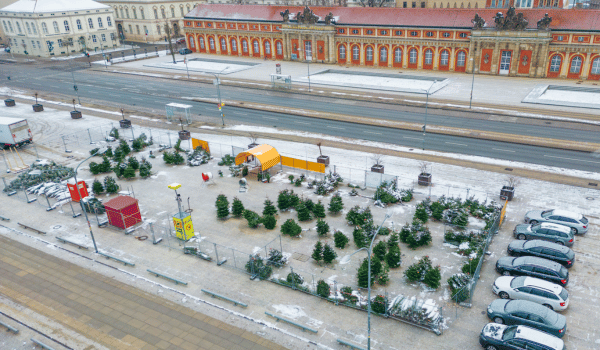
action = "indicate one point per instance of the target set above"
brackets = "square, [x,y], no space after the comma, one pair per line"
[184,228]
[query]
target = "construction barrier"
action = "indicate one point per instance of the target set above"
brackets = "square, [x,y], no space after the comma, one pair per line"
[303,164]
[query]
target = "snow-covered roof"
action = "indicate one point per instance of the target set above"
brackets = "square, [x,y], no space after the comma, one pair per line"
[567,214]
[556,227]
[50,6]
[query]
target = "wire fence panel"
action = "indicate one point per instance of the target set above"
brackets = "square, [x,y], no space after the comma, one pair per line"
[373,180]
[350,175]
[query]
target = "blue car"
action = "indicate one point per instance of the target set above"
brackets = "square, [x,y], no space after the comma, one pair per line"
[527,313]
[501,337]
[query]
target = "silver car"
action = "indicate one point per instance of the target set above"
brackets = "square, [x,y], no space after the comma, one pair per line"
[539,291]
[547,231]
[577,222]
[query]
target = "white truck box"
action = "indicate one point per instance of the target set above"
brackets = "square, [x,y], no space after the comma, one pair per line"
[14,132]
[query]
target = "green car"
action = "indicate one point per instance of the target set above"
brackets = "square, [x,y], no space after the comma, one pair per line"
[546,231]
[527,313]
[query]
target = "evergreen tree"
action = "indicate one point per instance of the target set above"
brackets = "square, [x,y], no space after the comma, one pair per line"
[237,208]
[269,221]
[393,257]
[109,152]
[177,146]
[309,204]
[322,227]
[319,210]
[145,167]
[133,162]
[376,266]
[253,218]
[336,205]
[340,240]
[283,200]
[363,274]
[269,208]
[394,239]
[114,132]
[110,185]
[380,249]
[303,212]
[317,253]
[328,254]
[119,169]
[323,289]
[124,147]
[432,278]
[222,205]
[129,172]
[421,214]
[360,238]
[178,158]
[291,228]
[97,187]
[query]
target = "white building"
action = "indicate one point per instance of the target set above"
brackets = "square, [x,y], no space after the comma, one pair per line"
[58,27]
[144,20]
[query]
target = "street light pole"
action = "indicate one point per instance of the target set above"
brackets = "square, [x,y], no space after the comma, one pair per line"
[426,105]
[218,82]
[472,81]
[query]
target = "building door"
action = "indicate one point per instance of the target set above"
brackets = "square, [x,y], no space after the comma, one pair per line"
[505,62]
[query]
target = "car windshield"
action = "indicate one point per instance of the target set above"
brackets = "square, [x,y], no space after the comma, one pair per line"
[564,294]
[564,272]
[536,227]
[509,333]
[546,213]
[517,282]
[584,220]
[550,317]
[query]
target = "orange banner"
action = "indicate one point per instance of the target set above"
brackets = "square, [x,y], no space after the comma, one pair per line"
[502,214]
[203,144]
[303,164]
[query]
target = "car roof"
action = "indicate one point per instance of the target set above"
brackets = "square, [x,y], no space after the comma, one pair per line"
[526,306]
[539,337]
[532,281]
[566,213]
[556,227]
[546,244]
[537,261]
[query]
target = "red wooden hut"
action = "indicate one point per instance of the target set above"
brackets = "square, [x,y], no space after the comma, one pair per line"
[123,212]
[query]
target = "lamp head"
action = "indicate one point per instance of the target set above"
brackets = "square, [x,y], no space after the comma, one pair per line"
[174,186]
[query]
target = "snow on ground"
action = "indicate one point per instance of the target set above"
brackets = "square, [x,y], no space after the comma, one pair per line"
[199,65]
[376,82]
[291,311]
[571,96]
[93,53]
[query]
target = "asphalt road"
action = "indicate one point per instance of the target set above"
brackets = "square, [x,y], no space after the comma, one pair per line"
[129,90]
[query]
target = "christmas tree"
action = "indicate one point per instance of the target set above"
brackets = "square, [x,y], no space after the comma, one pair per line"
[360,238]
[269,208]
[340,240]
[394,239]
[380,249]
[328,254]
[133,162]
[283,200]
[336,205]
[97,187]
[291,228]
[322,227]
[317,253]
[319,210]
[129,172]
[363,274]
[222,205]
[145,167]
[432,278]
[269,221]
[309,204]
[110,185]
[303,212]
[421,214]
[253,219]
[237,208]
[393,257]
[323,289]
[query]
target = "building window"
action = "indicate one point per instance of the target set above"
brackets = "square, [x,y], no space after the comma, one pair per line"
[18,27]
[223,45]
[414,4]
[463,35]
[355,53]
[580,39]
[122,14]
[108,21]
[559,38]
[233,45]
[211,43]
[28,27]
[341,30]
[182,14]
[66,23]
[134,12]
[256,46]
[100,25]
[355,31]
[267,47]
[279,48]
[444,58]
[429,34]
[446,35]
[369,32]
[54,24]
[422,4]
[172,12]
[342,51]
[383,54]
[460,59]
[244,45]
[141,14]
[44,28]
[90,23]
[94,39]
[103,36]
[158,29]
[308,49]
[188,8]
[39,45]
[155,14]
[413,33]
[398,32]
[576,65]
[130,29]
[34,31]
[137,29]
[145,30]
[369,53]
[32,44]
[202,43]
[595,66]
[78,22]
[112,36]
[127,12]
[405,4]
[555,63]
[428,57]
[162,12]
[412,59]
[398,55]
[383,32]
[59,42]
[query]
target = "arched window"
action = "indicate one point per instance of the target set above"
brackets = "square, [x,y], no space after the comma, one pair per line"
[279,48]
[460,59]
[342,52]
[127,12]
[122,14]
[109,21]
[244,45]
[192,43]
[90,23]
[383,54]
[78,24]
[428,57]
[201,43]
[188,8]
[19,27]
[211,43]
[66,26]
[444,58]
[116,12]
[576,65]
[155,14]
[100,22]
[141,14]
[412,59]
[172,12]
[44,28]
[369,53]
[596,66]
[55,25]
[267,48]
[355,53]
[5,26]
[163,13]
[223,45]
[398,55]
[134,12]
[555,63]
[233,45]
[34,30]
[28,27]
[255,46]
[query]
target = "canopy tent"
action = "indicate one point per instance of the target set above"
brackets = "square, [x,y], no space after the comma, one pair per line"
[266,155]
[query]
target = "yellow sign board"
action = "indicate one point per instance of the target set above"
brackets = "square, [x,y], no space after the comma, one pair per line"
[184,228]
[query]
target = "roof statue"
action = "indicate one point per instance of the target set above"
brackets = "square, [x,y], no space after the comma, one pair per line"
[307,16]
[512,21]
[478,22]
[544,23]
[329,19]
[286,15]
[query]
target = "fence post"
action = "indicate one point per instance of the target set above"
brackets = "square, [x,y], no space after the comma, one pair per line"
[293,278]
[216,253]
[90,136]
[64,143]
[234,262]
[49,206]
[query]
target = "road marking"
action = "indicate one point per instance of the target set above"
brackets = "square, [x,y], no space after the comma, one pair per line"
[137,98]
[503,150]
[270,118]
[412,138]
[302,123]
[371,132]
[336,127]
[458,144]
[54,86]
[579,160]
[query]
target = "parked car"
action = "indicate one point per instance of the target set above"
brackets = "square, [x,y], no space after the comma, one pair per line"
[547,231]
[500,337]
[535,267]
[527,313]
[543,249]
[577,222]
[180,41]
[542,292]
[184,51]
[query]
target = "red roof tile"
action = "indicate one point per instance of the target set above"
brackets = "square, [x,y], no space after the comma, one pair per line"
[120,202]
[573,19]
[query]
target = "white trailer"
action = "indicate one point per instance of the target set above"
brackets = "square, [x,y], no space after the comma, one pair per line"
[14,132]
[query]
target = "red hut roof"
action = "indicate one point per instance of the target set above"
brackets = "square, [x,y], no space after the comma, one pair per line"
[120,202]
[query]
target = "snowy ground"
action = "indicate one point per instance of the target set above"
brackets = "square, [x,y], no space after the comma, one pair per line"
[93,53]
[200,65]
[556,95]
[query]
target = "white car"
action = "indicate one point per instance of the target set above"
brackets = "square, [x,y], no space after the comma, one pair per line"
[533,289]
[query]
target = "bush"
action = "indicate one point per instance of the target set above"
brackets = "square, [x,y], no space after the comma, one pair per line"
[360,238]
[291,228]
[269,208]
[269,221]
[389,193]
[322,227]
[294,278]
[319,210]
[328,254]
[253,219]
[378,305]
[340,240]
[432,278]
[317,253]
[237,208]
[323,289]
[227,160]
[348,296]
[97,187]
[336,205]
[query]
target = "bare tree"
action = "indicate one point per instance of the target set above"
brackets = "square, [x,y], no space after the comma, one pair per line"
[423,167]
[372,3]
[378,158]
[512,181]
[168,32]
[253,137]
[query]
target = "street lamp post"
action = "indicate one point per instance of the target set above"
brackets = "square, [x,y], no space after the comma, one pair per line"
[308,59]
[472,81]
[217,83]
[100,151]
[426,105]
[369,250]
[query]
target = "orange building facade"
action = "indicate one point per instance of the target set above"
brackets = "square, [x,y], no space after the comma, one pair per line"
[428,39]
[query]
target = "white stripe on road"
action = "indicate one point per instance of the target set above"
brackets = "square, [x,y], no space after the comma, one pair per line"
[270,118]
[336,127]
[371,132]
[412,138]
[302,123]
[503,150]
[458,144]
[578,160]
